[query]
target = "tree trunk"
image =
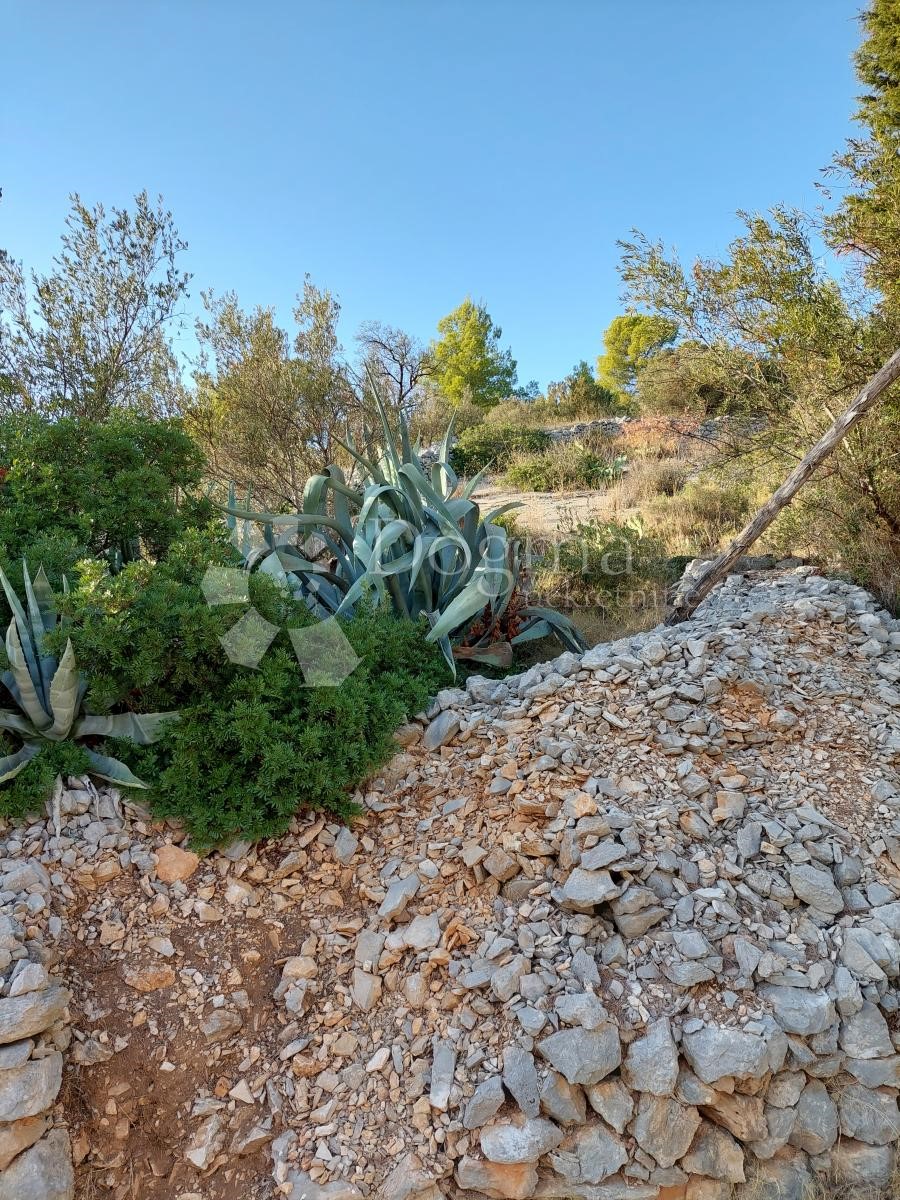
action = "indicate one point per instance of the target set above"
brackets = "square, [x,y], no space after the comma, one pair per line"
[719,567]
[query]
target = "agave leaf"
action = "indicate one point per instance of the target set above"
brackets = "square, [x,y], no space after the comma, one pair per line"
[448,440]
[501,510]
[434,498]
[16,723]
[113,770]
[141,728]
[28,685]
[444,479]
[373,470]
[390,450]
[12,764]
[443,642]
[301,520]
[64,691]
[470,601]
[474,482]
[567,632]
[536,629]
[45,599]
[25,639]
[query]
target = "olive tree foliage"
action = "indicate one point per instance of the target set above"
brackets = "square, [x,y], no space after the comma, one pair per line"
[789,341]
[91,336]
[269,409]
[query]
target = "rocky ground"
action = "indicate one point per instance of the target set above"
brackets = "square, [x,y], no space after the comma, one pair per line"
[626,927]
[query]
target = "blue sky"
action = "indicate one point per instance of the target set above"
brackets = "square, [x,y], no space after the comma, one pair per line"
[407,153]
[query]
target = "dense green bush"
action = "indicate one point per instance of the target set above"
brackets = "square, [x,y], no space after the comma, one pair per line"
[30,790]
[612,555]
[240,763]
[562,466]
[252,746]
[147,634]
[116,489]
[489,445]
[56,550]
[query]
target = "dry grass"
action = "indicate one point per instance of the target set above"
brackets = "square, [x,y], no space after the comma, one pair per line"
[824,1187]
[646,479]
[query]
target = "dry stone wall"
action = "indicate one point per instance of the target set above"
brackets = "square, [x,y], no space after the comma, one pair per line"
[35,1154]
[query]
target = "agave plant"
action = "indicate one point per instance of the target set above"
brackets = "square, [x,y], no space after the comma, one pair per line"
[409,534]
[49,694]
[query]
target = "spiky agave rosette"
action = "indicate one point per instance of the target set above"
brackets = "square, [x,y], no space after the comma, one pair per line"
[49,694]
[410,535]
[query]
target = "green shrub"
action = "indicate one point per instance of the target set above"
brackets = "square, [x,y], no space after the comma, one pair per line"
[242,762]
[488,445]
[612,555]
[150,637]
[563,466]
[30,790]
[116,488]
[56,550]
[251,746]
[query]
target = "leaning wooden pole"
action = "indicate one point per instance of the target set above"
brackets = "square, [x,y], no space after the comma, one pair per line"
[688,601]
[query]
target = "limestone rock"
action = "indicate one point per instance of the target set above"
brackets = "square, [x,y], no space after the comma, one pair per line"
[864,1034]
[30,1089]
[443,1068]
[743,1116]
[23,1016]
[500,1181]
[799,1010]
[715,1153]
[816,1125]
[487,1100]
[858,1164]
[19,1136]
[306,1188]
[563,1102]
[651,1062]
[612,1100]
[598,1151]
[221,1024]
[409,1180]
[869,1115]
[664,1128]
[43,1172]
[519,1141]
[817,888]
[715,1052]
[581,1055]
[521,1080]
[174,865]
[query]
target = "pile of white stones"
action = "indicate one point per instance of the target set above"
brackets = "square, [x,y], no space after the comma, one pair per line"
[625,927]
[35,1154]
[701,957]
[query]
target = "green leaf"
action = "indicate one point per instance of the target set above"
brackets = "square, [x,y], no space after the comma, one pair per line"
[113,770]
[16,722]
[28,687]
[567,632]
[64,696]
[532,632]
[141,728]
[12,764]
[24,627]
